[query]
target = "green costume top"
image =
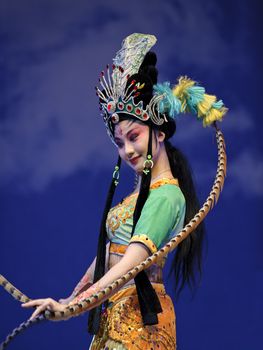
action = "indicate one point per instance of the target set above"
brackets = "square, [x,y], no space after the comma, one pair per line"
[162,216]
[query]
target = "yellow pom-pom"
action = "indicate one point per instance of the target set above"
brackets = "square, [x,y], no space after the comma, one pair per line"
[195,100]
[214,115]
[205,105]
[180,89]
[180,92]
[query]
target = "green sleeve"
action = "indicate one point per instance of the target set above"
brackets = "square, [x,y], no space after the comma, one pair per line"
[162,213]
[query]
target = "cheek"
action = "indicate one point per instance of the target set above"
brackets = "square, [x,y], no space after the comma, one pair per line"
[141,145]
[121,152]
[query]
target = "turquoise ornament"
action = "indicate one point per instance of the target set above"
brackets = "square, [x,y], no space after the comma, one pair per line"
[170,104]
[218,104]
[195,95]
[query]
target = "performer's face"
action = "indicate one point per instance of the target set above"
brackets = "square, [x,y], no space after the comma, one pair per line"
[131,138]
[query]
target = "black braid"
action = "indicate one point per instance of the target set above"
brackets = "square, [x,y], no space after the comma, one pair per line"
[148,299]
[186,264]
[144,187]
[95,314]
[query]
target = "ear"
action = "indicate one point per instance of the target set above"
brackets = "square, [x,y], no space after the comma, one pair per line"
[160,135]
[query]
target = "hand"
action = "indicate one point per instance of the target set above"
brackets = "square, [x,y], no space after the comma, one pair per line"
[44,304]
[66,300]
[86,294]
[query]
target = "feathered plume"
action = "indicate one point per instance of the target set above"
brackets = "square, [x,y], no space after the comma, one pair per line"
[194,100]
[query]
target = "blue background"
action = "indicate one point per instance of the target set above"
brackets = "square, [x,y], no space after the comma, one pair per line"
[56,159]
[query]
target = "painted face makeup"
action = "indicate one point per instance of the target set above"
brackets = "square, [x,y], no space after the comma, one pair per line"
[132,141]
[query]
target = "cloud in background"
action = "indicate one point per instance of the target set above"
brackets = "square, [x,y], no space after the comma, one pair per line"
[50,126]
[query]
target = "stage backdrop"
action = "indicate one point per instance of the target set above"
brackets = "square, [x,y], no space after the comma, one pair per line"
[56,159]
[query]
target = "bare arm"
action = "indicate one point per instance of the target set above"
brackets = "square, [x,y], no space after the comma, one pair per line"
[134,255]
[87,279]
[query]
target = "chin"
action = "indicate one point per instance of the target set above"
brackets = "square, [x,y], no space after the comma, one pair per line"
[138,168]
[139,171]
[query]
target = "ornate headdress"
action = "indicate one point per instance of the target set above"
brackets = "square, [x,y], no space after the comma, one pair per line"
[118,94]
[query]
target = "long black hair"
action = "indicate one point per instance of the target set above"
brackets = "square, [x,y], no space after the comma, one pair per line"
[187,262]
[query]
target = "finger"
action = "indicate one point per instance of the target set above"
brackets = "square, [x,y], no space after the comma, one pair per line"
[38,311]
[33,303]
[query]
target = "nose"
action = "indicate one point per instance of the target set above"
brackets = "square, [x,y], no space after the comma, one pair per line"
[128,149]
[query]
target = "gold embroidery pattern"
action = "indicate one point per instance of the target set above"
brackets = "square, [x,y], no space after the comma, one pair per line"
[119,214]
[122,324]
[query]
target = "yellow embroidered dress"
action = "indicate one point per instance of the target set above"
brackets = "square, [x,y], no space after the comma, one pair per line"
[162,217]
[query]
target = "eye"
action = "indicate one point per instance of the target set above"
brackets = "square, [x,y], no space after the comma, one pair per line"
[133,137]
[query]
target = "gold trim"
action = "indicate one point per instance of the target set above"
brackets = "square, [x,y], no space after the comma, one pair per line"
[118,248]
[142,238]
[156,184]
[164,181]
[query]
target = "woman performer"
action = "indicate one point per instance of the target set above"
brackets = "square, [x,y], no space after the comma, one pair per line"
[139,117]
